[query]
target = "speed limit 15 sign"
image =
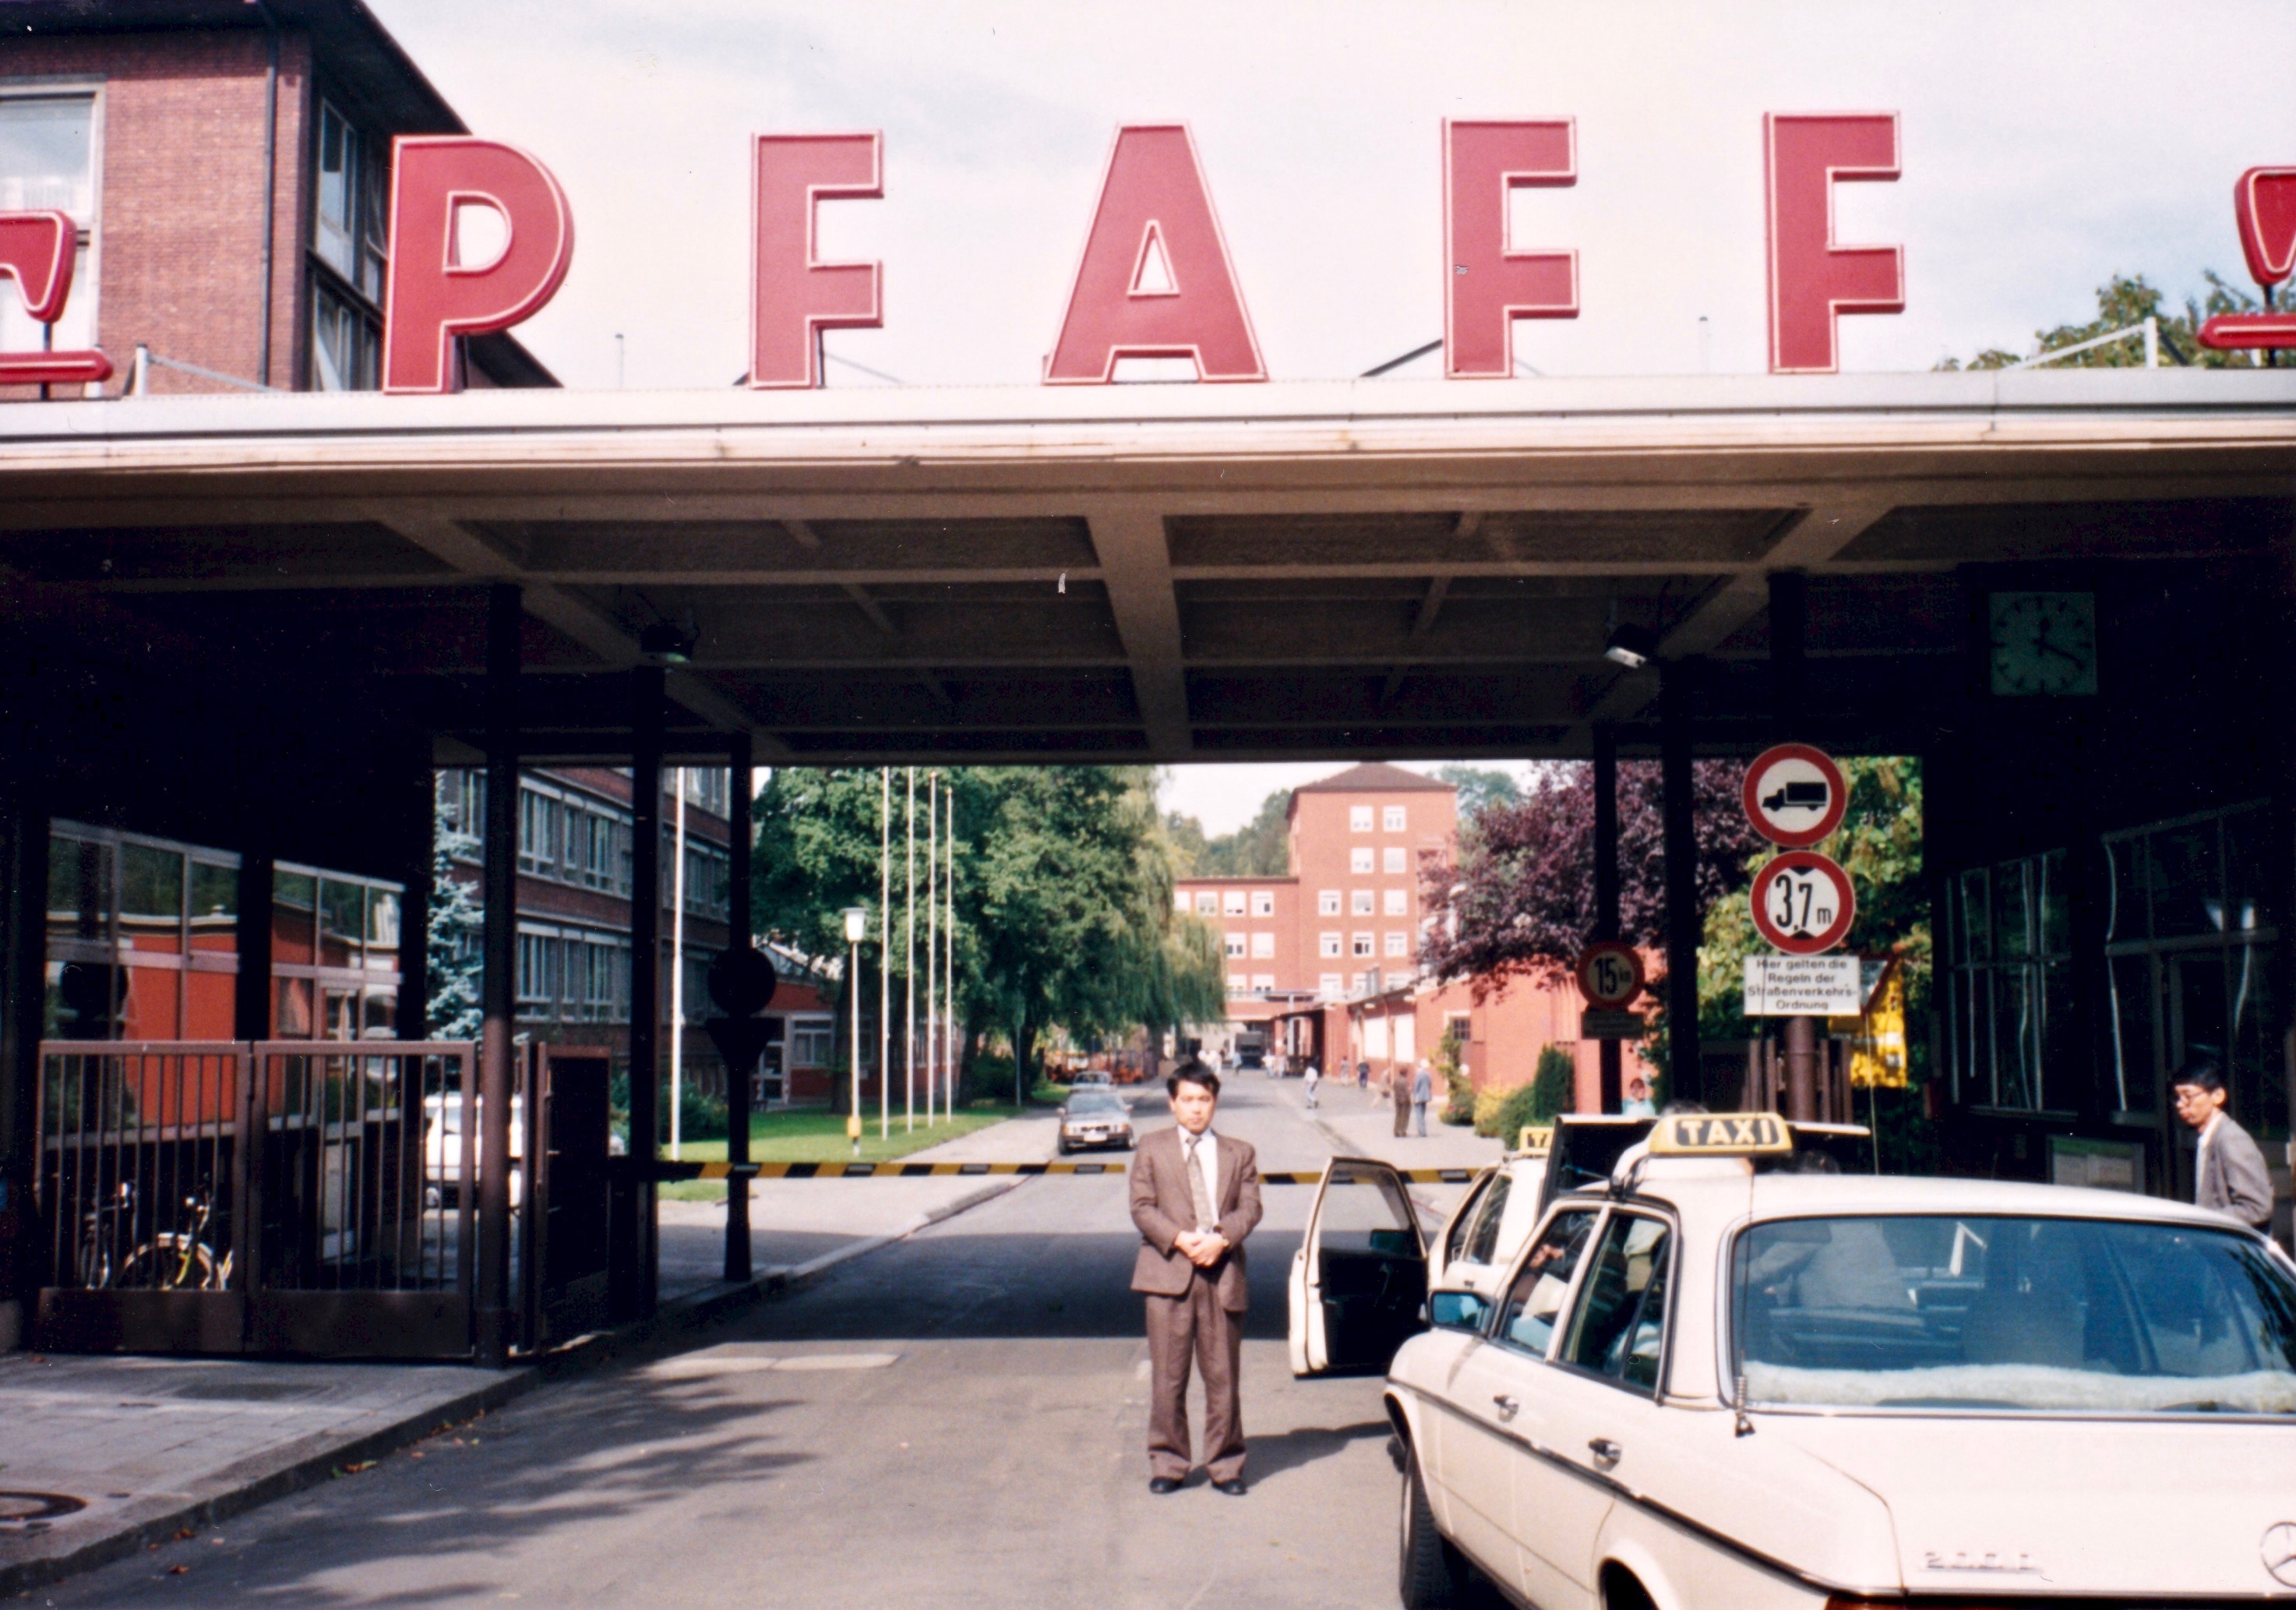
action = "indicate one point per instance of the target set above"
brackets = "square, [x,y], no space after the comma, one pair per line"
[1802,903]
[1610,974]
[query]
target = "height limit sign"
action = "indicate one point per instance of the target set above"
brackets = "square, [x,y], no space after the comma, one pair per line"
[1795,797]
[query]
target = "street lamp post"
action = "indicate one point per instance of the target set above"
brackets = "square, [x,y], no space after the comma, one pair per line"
[857,927]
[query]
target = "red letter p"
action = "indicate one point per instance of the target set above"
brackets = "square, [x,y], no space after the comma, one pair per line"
[433,295]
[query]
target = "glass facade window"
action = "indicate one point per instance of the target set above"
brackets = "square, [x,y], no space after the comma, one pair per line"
[142,937]
[334,953]
[348,253]
[2192,963]
[2011,963]
[47,164]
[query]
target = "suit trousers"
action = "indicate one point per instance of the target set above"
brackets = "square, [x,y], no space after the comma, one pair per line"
[1194,1325]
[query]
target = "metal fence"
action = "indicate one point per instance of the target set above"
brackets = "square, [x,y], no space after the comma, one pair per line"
[280,1196]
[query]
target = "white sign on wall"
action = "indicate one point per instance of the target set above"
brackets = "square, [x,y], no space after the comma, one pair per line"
[1803,986]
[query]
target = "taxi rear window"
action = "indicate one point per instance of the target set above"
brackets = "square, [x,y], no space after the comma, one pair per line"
[1891,1312]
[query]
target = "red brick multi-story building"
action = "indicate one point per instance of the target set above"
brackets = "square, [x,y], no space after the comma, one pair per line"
[1322,960]
[227,166]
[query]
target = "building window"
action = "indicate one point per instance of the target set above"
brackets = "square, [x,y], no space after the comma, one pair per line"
[1180,902]
[1332,986]
[1358,818]
[1398,902]
[1231,902]
[1362,944]
[1395,818]
[1327,902]
[2193,960]
[1206,903]
[1360,860]
[812,1042]
[1362,982]
[1398,944]
[1263,945]
[1262,982]
[2011,967]
[1263,902]
[538,974]
[1328,944]
[47,164]
[1239,985]
[1361,904]
[1234,943]
[348,250]
[540,818]
[1390,860]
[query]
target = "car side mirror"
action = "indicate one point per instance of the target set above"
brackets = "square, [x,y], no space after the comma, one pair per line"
[1456,1310]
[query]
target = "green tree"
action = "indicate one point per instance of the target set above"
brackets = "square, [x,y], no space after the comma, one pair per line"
[2124,300]
[1480,788]
[452,956]
[1259,849]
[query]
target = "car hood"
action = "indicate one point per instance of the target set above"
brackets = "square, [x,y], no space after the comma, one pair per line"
[2036,1504]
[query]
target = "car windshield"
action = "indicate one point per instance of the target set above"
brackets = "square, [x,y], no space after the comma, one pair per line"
[1096,1102]
[2012,1313]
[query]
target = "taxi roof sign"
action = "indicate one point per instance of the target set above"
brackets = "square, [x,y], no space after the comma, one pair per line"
[1537,1140]
[1721,1135]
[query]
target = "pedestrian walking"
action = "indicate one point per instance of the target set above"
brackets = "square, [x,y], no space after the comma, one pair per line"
[1362,1076]
[1314,1076]
[1423,1091]
[2229,1175]
[1638,1103]
[1399,1092]
[1196,1196]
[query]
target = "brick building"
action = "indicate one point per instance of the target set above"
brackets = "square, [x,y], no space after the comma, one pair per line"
[1323,961]
[227,166]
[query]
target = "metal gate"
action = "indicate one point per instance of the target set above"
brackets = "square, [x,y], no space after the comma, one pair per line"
[562,1245]
[278,1197]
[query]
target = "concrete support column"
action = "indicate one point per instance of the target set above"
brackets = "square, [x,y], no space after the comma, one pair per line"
[23,951]
[498,946]
[1606,888]
[647,699]
[742,761]
[1682,912]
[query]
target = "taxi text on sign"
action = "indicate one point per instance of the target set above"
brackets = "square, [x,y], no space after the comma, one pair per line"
[1720,1134]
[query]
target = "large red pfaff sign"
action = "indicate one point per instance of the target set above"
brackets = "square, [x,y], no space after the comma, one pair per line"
[2264,202]
[37,250]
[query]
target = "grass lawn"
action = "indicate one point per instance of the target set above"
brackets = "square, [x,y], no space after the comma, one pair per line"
[817,1135]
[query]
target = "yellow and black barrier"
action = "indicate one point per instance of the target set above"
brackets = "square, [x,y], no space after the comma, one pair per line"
[934,1171]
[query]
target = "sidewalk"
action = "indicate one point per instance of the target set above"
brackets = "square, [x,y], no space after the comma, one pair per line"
[104,1455]
[1360,1124]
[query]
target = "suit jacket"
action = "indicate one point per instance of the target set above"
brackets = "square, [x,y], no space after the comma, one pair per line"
[2233,1178]
[1165,1209]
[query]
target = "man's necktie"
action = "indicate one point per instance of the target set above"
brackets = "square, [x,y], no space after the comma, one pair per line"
[1198,1193]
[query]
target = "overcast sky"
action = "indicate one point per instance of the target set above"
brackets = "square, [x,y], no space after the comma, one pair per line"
[2045,145]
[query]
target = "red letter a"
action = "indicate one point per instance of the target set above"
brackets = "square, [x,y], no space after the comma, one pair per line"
[1127,302]
[1811,278]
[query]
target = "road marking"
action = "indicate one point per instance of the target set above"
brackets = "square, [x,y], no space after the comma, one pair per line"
[899,1171]
[714,1362]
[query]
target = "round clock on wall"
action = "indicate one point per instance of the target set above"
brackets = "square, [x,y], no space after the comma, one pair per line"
[2042,644]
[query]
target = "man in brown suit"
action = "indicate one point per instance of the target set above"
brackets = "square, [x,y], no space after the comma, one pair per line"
[1196,1196]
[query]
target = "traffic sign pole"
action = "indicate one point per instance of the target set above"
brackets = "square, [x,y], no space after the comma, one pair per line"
[1803,904]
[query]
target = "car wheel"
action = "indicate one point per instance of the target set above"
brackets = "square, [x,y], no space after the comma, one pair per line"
[1429,1571]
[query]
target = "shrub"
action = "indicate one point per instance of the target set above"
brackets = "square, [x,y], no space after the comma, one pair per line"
[1552,1084]
[1501,1114]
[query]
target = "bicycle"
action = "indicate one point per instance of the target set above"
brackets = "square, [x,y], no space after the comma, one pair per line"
[169,1260]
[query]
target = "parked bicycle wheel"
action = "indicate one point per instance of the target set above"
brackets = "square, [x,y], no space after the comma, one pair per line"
[170,1262]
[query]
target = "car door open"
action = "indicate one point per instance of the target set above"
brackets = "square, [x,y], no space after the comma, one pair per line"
[1360,1279]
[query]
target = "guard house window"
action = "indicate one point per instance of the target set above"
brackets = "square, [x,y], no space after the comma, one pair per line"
[2013,985]
[47,164]
[1327,902]
[1263,902]
[1360,859]
[2192,953]
[349,250]
[813,1043]
[1328,944]
[142,938]
[334,953]
[1394,818]
[1358,818]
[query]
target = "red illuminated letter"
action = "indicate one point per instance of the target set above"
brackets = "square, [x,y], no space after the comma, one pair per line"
[1811,278]
[434,296]
[2265,204]
[793,295]
[1486,286]
[1155,281]
[36,251]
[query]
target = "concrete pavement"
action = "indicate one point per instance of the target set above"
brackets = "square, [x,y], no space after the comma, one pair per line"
[957,1419]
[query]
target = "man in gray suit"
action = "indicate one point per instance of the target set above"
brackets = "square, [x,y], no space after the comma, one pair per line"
[2231,1177]
[1196,1196]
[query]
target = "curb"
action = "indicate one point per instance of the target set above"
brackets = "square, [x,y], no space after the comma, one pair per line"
[251,1483]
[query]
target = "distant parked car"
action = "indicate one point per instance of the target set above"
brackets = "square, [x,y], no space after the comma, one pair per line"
[1095,1118]
[1091,1076]
[442,1148]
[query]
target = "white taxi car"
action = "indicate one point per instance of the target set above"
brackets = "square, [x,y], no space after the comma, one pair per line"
[1721,1378]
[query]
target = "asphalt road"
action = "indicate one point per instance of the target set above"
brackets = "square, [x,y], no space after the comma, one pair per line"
[956,1420]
